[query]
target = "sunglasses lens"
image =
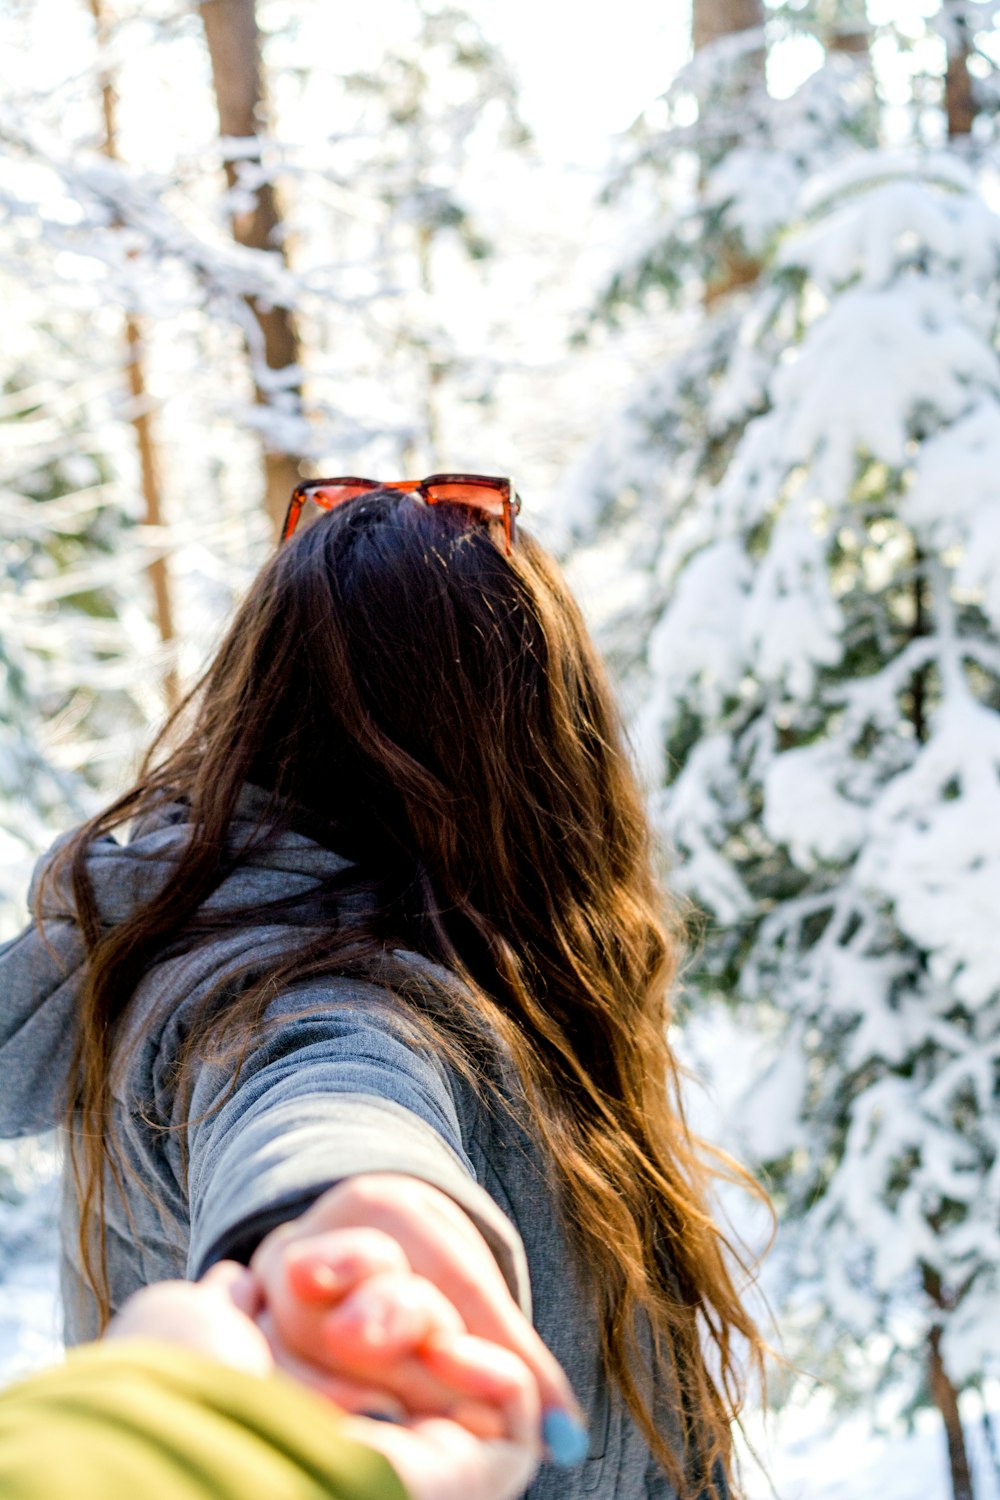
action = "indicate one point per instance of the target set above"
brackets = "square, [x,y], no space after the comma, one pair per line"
[323,497]
[489,497]
[329,496]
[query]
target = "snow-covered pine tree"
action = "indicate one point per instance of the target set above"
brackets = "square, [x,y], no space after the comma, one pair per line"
[798,523]
[825,693]
[706,210]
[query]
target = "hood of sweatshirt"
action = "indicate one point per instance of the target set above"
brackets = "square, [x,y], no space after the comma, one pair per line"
[125,875]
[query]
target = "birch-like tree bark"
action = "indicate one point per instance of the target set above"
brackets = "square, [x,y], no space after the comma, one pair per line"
[233,39]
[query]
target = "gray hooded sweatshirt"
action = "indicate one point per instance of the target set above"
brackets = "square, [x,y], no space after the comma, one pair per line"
[328,1091]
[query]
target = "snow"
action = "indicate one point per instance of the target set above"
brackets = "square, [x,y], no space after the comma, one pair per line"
[843,1459]
[699,636]
[953,500]
[830,396]
[30,1335]
[805,809]
[938,860]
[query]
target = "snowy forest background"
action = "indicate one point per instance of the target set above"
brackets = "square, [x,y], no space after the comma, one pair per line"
[742,358]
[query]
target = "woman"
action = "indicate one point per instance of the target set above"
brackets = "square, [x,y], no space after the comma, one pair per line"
[388,908]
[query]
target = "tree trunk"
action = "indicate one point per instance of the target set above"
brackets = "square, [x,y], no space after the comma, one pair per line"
[713,19]
[849,33]
[959,100]
[141,418]
[233,40]
[946,1400]
[944,1393]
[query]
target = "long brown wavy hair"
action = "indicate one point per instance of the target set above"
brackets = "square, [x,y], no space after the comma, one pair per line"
[435,711]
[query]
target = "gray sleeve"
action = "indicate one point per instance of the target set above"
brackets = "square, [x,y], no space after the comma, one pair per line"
[330,1090]
[39,974]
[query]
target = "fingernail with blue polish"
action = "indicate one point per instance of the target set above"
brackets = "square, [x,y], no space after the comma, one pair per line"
[565,1439]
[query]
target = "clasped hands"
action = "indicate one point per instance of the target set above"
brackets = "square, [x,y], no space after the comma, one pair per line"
[385,1298]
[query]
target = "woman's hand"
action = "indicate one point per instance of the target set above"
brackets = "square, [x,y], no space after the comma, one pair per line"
[436,1458]
[390,1342]
[417,1229]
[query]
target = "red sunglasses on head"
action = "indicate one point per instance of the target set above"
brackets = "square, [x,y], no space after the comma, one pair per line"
[493,496]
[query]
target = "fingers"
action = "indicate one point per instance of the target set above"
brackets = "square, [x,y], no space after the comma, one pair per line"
[391,1313]
[202,1316]
[324,1267]
[322,1280]
[421,1393]
[438,1460]
[343,1390]
[469,1277]
[443,1245]
[370,1342]
[497,1318]
[396,1334]
[236,1282]
[492,1375]
[499,1470]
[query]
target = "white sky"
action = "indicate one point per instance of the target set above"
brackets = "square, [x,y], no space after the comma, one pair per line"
[586,71]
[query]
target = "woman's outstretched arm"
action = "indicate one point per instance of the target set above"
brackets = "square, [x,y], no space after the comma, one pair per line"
[335,1120]
[329,1090]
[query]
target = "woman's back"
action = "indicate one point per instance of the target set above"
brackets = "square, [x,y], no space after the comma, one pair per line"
[427,703]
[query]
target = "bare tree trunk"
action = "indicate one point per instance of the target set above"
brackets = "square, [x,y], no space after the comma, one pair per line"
[711,21]
[946,1400]
[959,99]
[847,30]
[141,418]
[945,1396]
[233,39]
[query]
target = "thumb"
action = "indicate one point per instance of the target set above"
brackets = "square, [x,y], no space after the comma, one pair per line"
[237,1283]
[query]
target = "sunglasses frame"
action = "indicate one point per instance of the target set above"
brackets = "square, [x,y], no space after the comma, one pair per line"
[502,486]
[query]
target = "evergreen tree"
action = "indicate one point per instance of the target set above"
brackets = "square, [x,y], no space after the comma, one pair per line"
[803,604]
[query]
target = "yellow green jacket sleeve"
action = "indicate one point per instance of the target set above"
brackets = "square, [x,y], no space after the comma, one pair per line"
[134,1419]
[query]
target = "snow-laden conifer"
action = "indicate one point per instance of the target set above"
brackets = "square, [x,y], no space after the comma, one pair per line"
[813,513]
